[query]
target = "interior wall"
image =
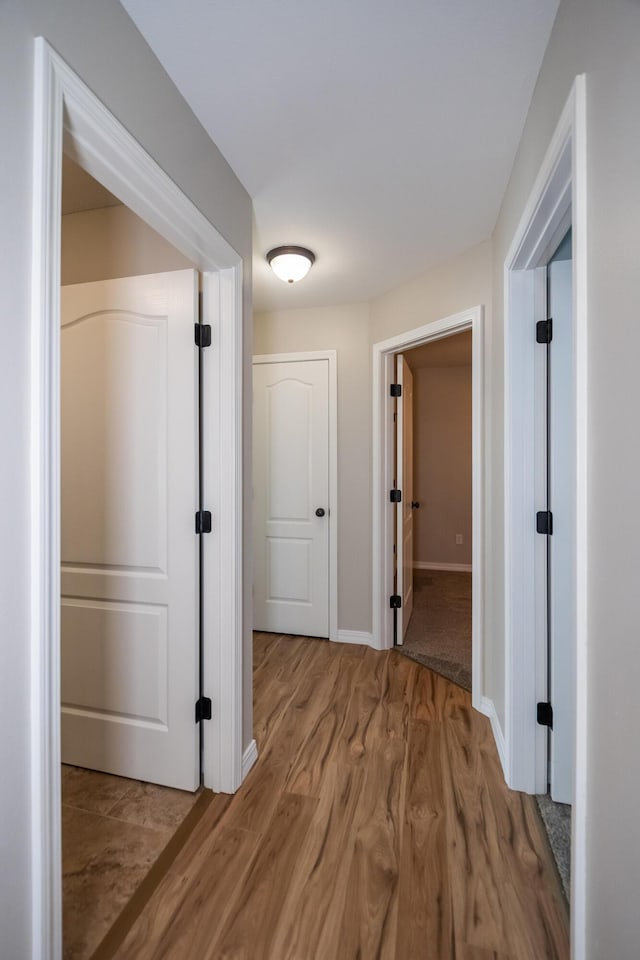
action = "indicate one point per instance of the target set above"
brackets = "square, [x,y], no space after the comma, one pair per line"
[457,284]
[346,330]
[93,36]
[113,242]
[442,464]
[601,40]
[351,330]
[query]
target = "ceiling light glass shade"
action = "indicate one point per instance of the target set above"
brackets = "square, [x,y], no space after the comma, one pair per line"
[290,263]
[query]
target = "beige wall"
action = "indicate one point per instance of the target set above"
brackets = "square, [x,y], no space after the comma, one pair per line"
[601,40]
[113,242]
[456,285]
[442,463]
[346,330]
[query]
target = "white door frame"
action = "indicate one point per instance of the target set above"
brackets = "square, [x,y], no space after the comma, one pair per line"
[383,465]
[332,357]
[68,116]
[557,201]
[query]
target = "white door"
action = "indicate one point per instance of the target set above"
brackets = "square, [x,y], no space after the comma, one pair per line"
[404,482]
[129,408]
[291,497]
[562,542]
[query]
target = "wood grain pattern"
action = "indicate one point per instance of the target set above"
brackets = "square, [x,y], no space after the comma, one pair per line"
[318,885]
[424,870]
[375,825]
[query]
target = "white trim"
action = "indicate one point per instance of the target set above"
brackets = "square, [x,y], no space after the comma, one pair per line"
[488,707]
[46,855]
[66,112]
[222,469]
[355,636]
[436,565]
[580,266]
[332,357]
[383,458]
[249,757]
[557,200]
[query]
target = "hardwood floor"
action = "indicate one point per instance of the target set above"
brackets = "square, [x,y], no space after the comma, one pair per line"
[375,826]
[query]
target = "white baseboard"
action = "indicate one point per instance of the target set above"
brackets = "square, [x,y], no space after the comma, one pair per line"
[488,707]
[249,757]
[356,636]
[451,567]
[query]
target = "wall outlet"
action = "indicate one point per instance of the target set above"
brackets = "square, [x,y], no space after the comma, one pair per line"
[458,538]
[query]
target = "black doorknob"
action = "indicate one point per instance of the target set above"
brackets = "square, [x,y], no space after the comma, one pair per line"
[415,504]
[320,512]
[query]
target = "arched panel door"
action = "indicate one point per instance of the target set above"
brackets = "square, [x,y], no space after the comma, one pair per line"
[291,497]
[129,608]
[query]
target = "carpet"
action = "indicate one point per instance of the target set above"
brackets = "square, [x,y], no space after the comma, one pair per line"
[557,821]
[439,632]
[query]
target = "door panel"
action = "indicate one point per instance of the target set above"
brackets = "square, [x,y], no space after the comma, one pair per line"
[562,543]
[129,442]
[115,658]
[291,481]
[404,510]
[114,502]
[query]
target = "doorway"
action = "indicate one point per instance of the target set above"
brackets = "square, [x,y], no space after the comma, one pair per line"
[434,517]
[557,203]
[68,116]
[557,712]
[384,474]
[129,626]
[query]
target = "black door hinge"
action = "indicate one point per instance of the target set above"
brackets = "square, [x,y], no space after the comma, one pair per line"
[203,521]
[544,522]
[203,334]
[203,709]
[544,331]
[395,496]
[544,715]
[395,601]
[396,390]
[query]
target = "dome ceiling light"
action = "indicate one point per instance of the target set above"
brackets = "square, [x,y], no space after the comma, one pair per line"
[290,263]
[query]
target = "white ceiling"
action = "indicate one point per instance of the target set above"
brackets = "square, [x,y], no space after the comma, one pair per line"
[379,133]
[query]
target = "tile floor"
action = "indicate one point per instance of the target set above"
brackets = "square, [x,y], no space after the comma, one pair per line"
[113,831]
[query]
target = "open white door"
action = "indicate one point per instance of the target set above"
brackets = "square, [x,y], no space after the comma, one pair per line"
[404,509]
[291,497]
[129,410]
[562,543]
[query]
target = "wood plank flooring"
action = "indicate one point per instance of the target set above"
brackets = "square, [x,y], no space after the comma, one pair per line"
[375,826]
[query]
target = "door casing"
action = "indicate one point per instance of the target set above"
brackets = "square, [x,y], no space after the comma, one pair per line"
[332,357]
[404,509]
[383,520]
[557,201]
[69,117]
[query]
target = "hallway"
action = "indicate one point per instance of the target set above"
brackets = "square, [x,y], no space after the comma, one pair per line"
[376,824]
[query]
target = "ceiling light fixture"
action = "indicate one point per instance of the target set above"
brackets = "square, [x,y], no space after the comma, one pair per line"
[290,263]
